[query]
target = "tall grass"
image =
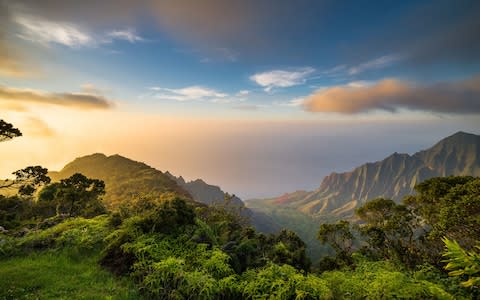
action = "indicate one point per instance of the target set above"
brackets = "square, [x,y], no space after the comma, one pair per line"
[60,275]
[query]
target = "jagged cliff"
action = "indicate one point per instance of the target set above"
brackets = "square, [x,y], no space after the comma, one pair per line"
[393,177]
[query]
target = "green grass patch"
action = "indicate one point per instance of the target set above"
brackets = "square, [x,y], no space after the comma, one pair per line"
[60,275]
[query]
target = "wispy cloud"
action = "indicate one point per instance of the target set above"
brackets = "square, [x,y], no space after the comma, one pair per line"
[242,93]
[281,78]
[15,97]
[292,103]
[190,93]
[45,32]
[460,97]
[34,126]
[377,63]
[345,70]
[128,34]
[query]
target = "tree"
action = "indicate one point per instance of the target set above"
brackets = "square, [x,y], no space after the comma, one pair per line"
[338,236]
[450,207]
[28,180]
[13,210]
[79,195]
[390,229]
[7,131]
[290,249]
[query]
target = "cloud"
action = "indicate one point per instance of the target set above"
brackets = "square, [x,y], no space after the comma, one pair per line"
[190,93]
[335,70]
[250,28]
[19,97]
[461,97]
[43,31]
[292,103]
[377,63]
[128,34]
[242,93]
[281,78]
[36,127]
[345,70]
[215,26]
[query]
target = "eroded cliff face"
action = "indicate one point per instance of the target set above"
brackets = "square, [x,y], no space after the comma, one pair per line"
[393,177]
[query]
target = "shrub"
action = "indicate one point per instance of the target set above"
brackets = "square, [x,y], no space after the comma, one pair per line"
[282,282]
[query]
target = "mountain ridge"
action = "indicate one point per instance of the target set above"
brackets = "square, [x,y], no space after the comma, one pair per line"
[393,177]
[126,178]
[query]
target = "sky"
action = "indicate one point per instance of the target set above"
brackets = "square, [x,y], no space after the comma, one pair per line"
[258,97]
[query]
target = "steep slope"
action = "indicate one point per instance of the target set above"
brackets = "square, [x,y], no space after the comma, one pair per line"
[204,192]
[124,178]
[394,177]
[458,154]
[211,194]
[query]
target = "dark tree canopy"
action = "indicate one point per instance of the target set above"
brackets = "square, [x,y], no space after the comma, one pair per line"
[28,180]
[79,195]
[338,236]
[7,131]
[450,206]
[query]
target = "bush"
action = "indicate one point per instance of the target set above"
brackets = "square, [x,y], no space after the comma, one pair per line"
[79,233]
[282,282]
[381,280]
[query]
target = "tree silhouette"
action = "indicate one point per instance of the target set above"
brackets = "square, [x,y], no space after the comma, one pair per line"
[28,180]
[8,132]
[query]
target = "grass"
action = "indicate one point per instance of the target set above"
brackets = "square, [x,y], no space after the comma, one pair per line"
[60,275]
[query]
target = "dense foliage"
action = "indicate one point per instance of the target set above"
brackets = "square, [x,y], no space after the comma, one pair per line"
[170,247]
[445,212]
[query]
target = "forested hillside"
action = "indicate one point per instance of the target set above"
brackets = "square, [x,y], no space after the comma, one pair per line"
[126,180]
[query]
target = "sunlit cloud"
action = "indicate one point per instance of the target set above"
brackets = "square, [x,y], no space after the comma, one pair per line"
[460,97]
[128,34]
[281,78]
[19,98]
[43,31]
[190,93]
[36,127]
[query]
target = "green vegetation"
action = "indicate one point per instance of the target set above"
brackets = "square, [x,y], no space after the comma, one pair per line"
[63,243]
[125,179]
[463,263]
[409,235]
[302,224]
[169,248]
[60,275]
